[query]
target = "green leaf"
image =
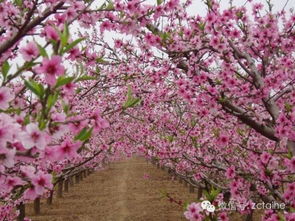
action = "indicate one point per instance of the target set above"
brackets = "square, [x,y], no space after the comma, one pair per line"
[29,65]
[129,92]
[27,120]
[202,26]
[18,2]
[72,45]
[100,60]
[5,69]
[81,133]
[52,98]
[288,107]
[62,80]
[42,51]
[194,122]
[165,36]
[281,216]
[239,14]
[65,107]
[159,2]
[78,90]
[170,138]
[212,195]
[153,29]
[131,101]
[42,124]
[102,6]
[215,192]
[84,134]
[85,78]
[87,135]
[64,36]
[35,87]
[185,205]
[207,195]
[110,5]
[13,111]
[134,102]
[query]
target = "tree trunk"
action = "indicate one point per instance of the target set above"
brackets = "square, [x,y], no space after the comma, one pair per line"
[291,147]
[249,217]
[66,186]
[77,178]
[180,180]
[49,199]
[22,212]
[200,193]
[191,188]
[71,181]
[59,189]
[37,206]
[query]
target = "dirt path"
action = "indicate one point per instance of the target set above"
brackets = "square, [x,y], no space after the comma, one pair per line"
[122,191]
[119,193]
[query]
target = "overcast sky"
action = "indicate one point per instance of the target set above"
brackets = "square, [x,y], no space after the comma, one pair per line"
[198,6]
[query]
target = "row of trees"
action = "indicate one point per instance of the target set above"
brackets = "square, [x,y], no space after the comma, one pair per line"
[209,97]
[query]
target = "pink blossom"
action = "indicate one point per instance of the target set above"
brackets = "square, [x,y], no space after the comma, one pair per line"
[77,125]
[6,132]
[34,137]
[51,33]
[291,164]
[193,212]
[106,25]
[172,4]
[60,18]
[51,68]
[265,157]
[223,216]
[290,216]
[289,194]
[11,182]
[223,140]
[6,95]
[41,181]
[118,43]
[58,117]
[30,193]
[67,149]
[50,154]
[99,122]
[77,5]
[70,13]
[59,130]
[30,51]
[230,172]
[69,89]
[194,208]
[28,171]
[74,53]
[7,157]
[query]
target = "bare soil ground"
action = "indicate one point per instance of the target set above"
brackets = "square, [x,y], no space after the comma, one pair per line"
[119,193]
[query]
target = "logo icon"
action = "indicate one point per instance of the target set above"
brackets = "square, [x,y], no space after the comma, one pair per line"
[206,205]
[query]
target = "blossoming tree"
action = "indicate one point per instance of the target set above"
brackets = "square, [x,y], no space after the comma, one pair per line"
[217,96]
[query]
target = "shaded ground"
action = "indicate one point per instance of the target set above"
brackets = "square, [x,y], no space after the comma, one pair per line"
[119,193]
